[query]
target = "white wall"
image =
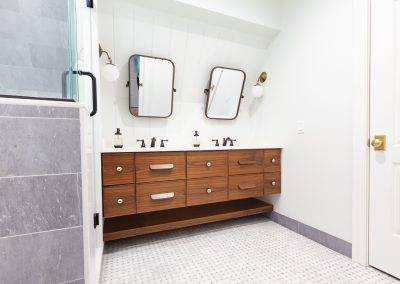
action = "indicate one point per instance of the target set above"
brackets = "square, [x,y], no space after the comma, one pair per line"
[311,79]
[263,12]
[195,48]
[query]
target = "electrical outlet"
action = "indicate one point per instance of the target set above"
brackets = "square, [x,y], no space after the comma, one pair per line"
[300,127]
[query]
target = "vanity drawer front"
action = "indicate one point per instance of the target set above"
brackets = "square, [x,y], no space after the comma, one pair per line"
[157,196]
[160,166]
[246,162]
[272,161]
[119,200]
[118,168]
[245,186]
[207,190]
[207,164]
[272,183]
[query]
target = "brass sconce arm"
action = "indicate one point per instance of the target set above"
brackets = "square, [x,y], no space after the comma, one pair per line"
[262,78]
[101,51]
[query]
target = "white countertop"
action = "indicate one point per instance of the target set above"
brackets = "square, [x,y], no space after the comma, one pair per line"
[175,149]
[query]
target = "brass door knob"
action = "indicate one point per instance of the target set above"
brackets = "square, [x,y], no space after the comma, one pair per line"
[209,190]
[379,143]
[273,183]
[119,169]
[273,160]
[120,201]
[208,164]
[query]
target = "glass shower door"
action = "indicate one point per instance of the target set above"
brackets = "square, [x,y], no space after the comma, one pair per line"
[38,48]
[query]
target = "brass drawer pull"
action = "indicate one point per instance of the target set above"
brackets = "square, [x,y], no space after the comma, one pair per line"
[273,183]
[209,190]
[208,164]
[120,201]
[246,163]
[119,169]
[246,187]
[273,160]
[162,167]
[160,196]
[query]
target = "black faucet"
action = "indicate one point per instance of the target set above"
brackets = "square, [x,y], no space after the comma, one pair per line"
[216,142]
[153,142]
[142,145]
[162,142]
[225,141]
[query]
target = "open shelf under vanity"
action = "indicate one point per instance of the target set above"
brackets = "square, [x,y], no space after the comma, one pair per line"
[152,222]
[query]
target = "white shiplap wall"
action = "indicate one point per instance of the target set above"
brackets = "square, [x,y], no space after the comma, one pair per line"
[195,48]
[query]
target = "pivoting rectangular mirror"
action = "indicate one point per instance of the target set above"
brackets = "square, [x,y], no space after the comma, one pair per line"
[224,93]
[151,86]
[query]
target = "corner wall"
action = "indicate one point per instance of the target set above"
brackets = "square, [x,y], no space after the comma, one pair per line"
[311,67]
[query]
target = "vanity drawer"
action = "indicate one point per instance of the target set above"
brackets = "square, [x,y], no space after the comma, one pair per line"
[207,164]
[272,183]
[272,161]
[119,200]
[160,166]
[245,186]
[157,196]
[118,168]
[246,162]
[207,190]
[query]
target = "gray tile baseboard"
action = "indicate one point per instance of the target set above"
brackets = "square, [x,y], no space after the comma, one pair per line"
[325,239]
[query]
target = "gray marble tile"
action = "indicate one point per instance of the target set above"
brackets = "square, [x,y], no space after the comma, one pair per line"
[284,221]
[33,29]
[14,53]
[12,5]
[48,57]
[39,146]
[38,111]
[48,257]
[313,234]
[316,235]
[79,281]
[40,203]
[54,9]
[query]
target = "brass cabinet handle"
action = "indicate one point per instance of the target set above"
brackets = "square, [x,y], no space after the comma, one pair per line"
[273,183]
[120,201]
[247,187]
[162,167]
[160,196]
[209,190]
[273,160]
[244,163]
[208,164]
[119,169]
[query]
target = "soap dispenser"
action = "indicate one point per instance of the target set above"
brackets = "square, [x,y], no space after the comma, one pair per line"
[118,139]
[196,139]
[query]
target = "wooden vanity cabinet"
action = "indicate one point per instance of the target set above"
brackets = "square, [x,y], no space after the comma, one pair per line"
[149,192]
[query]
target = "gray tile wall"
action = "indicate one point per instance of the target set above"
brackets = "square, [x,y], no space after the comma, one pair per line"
[33,47]
[41,233]
[316,235]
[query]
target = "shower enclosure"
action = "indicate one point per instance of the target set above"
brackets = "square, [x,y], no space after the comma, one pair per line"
[47,106]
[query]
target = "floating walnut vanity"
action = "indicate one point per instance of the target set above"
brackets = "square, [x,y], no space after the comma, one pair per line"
[147,192]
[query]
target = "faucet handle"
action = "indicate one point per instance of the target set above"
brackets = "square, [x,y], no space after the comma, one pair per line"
[162,142]
[232,142]
[143,145]
[216,142]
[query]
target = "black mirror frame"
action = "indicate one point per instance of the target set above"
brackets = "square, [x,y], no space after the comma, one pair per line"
[207,93]
[173,90]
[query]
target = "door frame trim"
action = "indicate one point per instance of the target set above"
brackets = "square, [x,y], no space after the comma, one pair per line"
[361,123]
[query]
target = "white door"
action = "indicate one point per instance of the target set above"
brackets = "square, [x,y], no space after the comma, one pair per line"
[384,229]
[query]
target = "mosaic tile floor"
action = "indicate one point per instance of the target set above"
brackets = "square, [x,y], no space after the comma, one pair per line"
[248,250]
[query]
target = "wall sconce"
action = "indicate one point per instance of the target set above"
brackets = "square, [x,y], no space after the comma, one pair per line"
[258,90]
[110,72]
